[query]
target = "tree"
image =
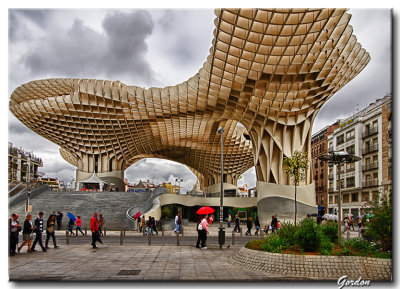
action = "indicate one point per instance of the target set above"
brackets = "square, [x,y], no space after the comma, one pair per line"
[295,167]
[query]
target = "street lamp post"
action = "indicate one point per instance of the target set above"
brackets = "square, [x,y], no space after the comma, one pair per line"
[221,232]
[338,158]
[28,181]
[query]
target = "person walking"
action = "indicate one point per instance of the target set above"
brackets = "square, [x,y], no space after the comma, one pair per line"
[94,227]
[229,220]
[149,226]
[142,224]
[79,226]
[359,221]
[101,224]
[176,224]
[51,224]
[351,222]
[204,232]
[71,224]
[256,225]
[59,220]
[199,227]
[13,233]
[153,222]
[249,226]
[38,228]
[237,224]
[27,233]
[139,223]
[274,224]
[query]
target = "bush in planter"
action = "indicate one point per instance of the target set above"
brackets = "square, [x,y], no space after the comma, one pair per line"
[286,234]
[330,230]
[326,245]
[272,244]
[307,235]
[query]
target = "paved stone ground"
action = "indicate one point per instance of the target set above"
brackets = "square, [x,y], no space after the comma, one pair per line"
[135,260]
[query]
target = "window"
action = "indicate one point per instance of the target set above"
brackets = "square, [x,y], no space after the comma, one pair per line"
[336,198]
[350,167]
[350,182]
[351,149]
[330,199]
[350,135]
[322,199]
[354,197]
[340,139]
[346,198]
[375,196]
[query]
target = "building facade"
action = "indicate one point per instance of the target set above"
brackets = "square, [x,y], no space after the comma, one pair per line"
[366,134]
[319,146]
[22,166]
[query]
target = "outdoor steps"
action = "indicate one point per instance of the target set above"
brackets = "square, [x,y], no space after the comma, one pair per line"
[113,206]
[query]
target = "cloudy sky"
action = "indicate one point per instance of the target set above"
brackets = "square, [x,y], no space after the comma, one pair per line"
[155,47]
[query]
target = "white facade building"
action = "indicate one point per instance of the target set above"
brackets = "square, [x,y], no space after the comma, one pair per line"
[363,135]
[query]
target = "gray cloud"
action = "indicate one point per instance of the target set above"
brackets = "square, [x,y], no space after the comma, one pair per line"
[80,51]
[20,20]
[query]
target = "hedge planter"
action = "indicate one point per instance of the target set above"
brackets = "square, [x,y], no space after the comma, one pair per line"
[315,267]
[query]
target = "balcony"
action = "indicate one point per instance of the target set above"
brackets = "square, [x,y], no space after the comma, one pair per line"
[372,183]
[330,190]
[351,169]
[370,166]
[330,176]
[370,149]
[369,132]
[321,188]
[350,138]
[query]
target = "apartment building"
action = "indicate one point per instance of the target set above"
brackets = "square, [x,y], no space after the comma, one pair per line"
[22,166]
[366,134]
[319,146]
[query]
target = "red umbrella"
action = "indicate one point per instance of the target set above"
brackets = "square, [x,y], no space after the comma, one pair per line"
[136,215]
[205,211]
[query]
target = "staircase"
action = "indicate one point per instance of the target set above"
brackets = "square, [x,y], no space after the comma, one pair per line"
[113,206]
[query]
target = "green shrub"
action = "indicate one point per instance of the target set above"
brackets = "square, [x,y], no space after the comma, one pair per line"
[330,230]
[359,245]
[286,234]
[326,245]
[307,235]
[272,244]
[380,224]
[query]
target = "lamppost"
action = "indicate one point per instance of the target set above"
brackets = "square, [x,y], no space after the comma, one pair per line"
[338,158]
[28,181]
[221,232]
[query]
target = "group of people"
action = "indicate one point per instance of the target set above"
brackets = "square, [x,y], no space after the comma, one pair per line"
[28,229]
[150,223]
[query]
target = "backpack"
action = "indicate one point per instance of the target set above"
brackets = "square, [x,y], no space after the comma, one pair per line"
[200,227]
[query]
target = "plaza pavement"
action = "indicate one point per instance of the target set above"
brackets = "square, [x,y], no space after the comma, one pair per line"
[135,260]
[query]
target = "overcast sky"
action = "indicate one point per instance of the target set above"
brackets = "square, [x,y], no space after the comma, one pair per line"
[156,47]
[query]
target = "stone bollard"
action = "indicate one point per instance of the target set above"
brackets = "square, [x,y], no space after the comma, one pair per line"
[182,231]
[162,231]
[348,234]
[177,239]
[124,232]
[121,239]
[233,238]
[144,229]
[85,231]
[149,239]
[105,231]
[66,238]
[241,230]
[261,233]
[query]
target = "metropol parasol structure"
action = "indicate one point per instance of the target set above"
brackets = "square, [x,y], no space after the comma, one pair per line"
[270,70]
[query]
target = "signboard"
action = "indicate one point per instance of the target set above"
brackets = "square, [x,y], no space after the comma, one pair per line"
[138,190]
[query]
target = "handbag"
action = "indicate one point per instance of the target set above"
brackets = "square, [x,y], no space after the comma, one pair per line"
[50,229]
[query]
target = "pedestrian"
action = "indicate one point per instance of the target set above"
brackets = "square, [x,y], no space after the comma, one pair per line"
[94,227]
[359,222]
[153,221]
[142,223]
[351,222]
[13,232]
[199,227]
[51,224]
[237,224]
[139,222]
[204,232]
[79,226]
[27,233]
[274,224]
[149,226]
[229,220]
[249,226]
[211,219]
[178,223]
[38,228]
[101,224]
[59,220]
[71,224]
[256,225]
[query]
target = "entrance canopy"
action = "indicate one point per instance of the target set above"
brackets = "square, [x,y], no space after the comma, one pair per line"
[94,183]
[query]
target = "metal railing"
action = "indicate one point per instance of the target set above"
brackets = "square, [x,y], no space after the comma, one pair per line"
[370,166]
[370,149]
[372,183]
[21,196]
[369,132]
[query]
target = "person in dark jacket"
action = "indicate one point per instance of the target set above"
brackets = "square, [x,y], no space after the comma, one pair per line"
[13,232]
[59,220]
[153,222]
[237,224]
[249,226]
[257,225]
[27,233]
[38,228]
[94,226]
[51,224]
[274,223]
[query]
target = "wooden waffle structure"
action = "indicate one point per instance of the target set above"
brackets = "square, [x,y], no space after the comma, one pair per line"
[270,70]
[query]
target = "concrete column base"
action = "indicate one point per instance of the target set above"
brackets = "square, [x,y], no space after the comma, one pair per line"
[275,199]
